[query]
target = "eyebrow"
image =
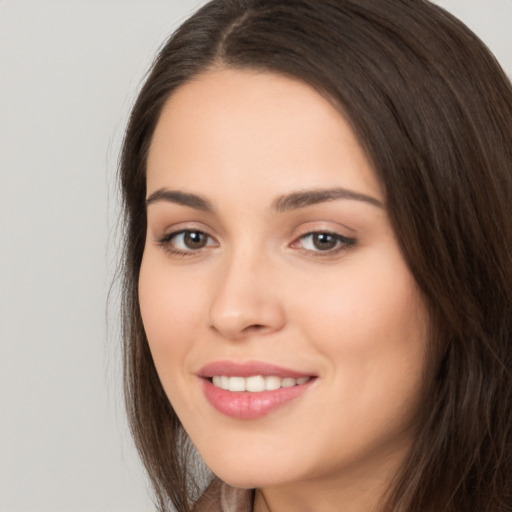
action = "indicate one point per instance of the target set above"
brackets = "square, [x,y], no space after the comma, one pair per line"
[178,197]
[293,201]
[301,199]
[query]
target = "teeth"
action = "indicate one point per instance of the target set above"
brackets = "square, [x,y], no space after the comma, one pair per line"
[288,382]
[224,382]
[236,384]
[256,383]
[272,383]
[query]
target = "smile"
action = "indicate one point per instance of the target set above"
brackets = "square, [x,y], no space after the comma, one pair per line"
[256,383]
[251,390]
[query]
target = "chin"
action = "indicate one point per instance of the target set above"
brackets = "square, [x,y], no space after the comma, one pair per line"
[249,470]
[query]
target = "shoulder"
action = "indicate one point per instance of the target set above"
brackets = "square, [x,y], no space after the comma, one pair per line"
[221,497]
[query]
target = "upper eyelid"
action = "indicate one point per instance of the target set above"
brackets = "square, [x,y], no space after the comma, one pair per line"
[175,232]
[335,228]
[307,232]
[332,228]
[339,236]
[324,232]
[180,227]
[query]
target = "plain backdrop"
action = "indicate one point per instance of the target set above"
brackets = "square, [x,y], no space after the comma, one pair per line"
[69,71]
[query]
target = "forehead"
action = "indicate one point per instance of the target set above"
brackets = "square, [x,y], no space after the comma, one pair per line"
[240,125]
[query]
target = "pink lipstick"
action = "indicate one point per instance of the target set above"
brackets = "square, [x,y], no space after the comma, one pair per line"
[253,389]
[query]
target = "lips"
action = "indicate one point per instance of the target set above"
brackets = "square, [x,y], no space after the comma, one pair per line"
[251,390]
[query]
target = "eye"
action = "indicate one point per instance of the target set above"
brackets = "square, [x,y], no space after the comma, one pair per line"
[186,241]
[324,242]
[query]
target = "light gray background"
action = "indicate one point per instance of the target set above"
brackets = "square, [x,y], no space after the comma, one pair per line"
[69,71]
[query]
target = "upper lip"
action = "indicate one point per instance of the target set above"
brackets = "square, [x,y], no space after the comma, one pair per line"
[248,369]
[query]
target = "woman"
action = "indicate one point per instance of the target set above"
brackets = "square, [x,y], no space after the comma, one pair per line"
[318,260]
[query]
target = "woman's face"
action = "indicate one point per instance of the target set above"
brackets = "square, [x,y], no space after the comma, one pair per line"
[270,265]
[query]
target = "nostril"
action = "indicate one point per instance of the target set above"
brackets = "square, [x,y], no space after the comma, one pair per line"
[255,327]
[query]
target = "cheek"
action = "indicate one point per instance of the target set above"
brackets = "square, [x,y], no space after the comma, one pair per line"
[370,324]
[170,310]
[367,305]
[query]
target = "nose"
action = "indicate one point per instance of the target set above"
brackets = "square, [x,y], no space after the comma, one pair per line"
[246,300]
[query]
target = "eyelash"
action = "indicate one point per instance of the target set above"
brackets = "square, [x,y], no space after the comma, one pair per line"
[342,243]
[166,242]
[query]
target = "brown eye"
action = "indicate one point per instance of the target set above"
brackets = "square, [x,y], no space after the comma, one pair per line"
[187,241]
[324,241]
[195,239]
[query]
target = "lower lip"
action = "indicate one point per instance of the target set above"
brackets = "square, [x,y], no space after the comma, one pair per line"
[247,405]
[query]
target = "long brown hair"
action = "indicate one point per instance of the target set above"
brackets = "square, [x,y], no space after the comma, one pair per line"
[433,110]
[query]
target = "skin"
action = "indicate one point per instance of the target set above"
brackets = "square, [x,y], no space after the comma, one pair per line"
[261,290]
